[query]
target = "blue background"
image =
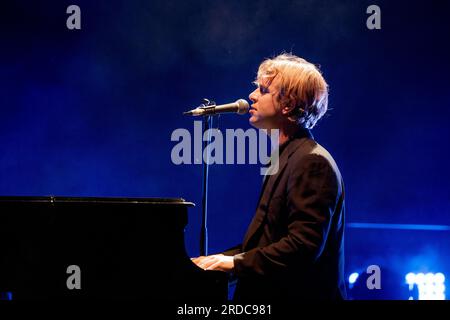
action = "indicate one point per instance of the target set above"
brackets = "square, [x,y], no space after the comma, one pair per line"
[90,112]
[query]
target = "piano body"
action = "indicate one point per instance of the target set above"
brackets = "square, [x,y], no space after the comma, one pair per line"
[125,248]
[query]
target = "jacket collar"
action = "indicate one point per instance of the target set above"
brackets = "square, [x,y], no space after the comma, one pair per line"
[286,149]
[291,147]
[270,181]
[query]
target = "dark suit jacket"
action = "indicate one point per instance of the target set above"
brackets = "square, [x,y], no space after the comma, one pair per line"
[293,248]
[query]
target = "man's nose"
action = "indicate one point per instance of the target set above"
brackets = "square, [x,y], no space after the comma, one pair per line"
[254,95]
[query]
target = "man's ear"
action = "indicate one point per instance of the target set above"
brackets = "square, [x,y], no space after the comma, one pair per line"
[287,110]
[298,111]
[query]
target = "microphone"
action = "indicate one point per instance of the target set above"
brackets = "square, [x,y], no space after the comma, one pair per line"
[240,106]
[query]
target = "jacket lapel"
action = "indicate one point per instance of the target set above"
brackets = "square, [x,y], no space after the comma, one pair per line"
[269,186]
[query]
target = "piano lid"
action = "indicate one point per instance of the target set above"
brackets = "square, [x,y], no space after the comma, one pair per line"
[94,200]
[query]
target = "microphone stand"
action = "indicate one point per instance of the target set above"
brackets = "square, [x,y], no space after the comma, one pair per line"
[208,110]
[207,124]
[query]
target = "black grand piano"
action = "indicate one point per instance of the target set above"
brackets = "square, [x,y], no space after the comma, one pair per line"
[125,248]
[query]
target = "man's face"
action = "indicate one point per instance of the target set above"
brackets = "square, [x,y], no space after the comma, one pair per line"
[265,111]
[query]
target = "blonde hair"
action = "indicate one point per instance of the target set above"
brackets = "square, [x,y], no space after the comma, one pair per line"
[300,85]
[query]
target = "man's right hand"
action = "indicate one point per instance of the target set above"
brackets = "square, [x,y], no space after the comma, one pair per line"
[215,262]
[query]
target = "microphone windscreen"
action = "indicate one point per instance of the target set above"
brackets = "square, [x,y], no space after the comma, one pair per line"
[243,106]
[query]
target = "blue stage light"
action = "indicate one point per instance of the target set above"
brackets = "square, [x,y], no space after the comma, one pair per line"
[353,277]
[439,277]
[410,278]
[431,286]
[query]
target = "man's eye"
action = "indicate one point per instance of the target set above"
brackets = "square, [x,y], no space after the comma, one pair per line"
[263,89]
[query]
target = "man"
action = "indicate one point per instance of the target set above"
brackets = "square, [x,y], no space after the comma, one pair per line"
[293,248]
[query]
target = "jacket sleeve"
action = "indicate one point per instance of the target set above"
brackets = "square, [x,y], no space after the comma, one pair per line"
[312,193]
[233,250]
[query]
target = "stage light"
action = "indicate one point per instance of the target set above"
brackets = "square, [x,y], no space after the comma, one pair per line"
[430,286]
[429,278]
[420,278]
[439,288]
[410,278]
[353,277]
[439,278]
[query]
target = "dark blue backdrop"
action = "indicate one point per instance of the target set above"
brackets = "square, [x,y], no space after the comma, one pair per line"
[90,112]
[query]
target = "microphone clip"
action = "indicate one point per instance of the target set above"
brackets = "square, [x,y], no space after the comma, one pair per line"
[206,105]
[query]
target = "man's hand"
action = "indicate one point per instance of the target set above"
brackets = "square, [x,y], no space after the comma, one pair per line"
[215,262]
